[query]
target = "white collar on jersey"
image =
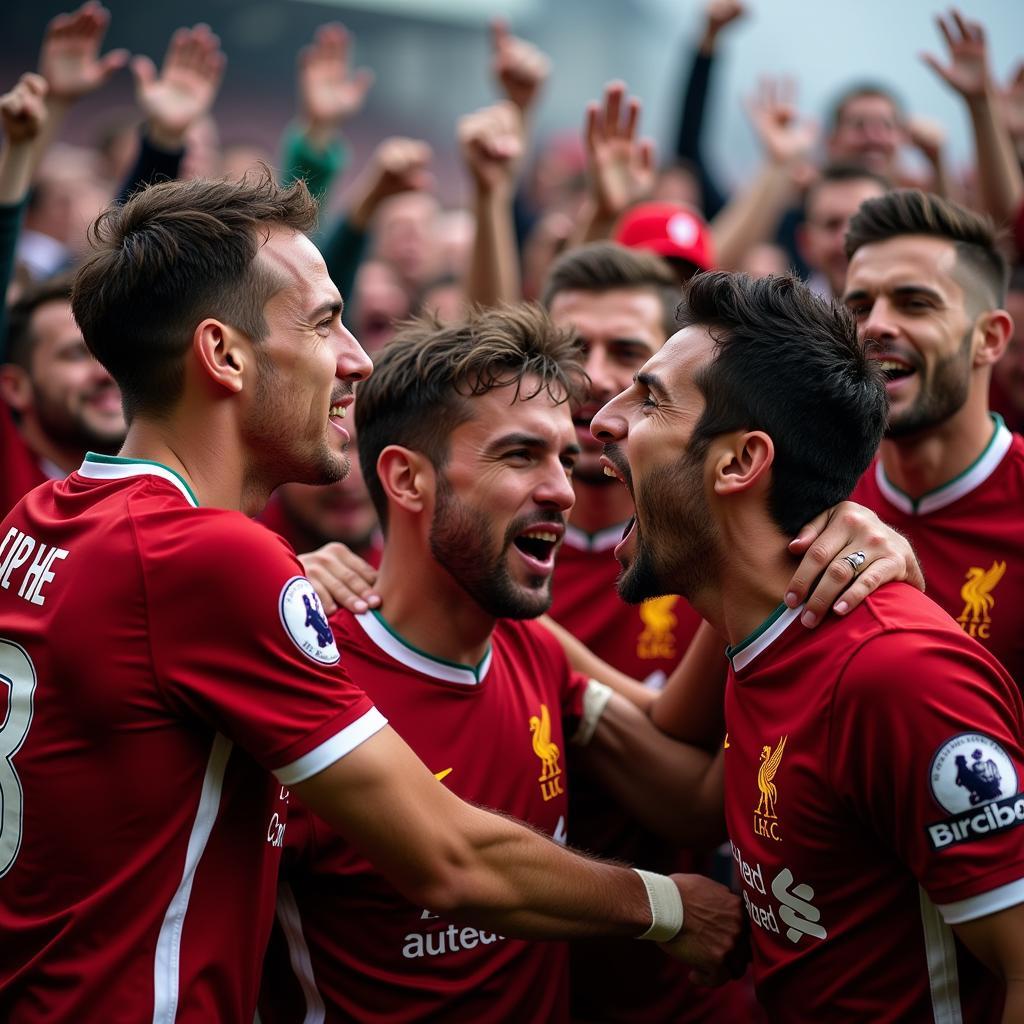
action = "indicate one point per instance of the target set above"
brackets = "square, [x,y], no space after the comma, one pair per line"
[113,467]
[763,637]
[973,476]
[419,661]
[603,540]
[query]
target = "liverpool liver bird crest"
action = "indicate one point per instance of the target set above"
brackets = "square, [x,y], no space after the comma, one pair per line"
[769,766]
[547,751]
[977,592]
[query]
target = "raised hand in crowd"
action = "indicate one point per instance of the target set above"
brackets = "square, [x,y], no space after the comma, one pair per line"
[620,165]
[928,136]
[330,91]
[717,15]
[69,58]
[185,88]
[397,165]
[23,113]
[787,141]
[966,71]
[491,142]
[1011,98]
[520,69]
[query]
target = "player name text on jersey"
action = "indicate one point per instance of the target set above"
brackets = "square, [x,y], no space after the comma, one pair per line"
[15,551]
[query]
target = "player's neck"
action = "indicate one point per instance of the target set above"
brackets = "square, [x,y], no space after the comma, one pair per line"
[750,582]
[599,506]
[434,614]
[214,471]
[920,464]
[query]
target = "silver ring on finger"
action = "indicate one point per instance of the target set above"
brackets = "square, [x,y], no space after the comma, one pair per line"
[855,560]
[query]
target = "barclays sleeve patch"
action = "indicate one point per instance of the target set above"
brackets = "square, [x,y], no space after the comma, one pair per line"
[974,780]
[302,616]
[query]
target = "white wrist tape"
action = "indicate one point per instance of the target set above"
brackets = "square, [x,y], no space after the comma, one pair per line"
[666,906]
[595,699]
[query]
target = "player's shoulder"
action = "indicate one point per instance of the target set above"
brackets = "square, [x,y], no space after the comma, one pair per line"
[910,647]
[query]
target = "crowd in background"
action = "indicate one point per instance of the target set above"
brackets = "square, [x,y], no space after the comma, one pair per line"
[395,251]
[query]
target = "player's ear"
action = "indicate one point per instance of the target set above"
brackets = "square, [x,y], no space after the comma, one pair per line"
[15,387]
[408,478]
[742,460]
[995,328]
[223,354]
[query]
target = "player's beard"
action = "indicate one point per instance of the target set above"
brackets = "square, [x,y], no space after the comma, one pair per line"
[461,541]
[280,441]
[941,395]
[70,426]
[676,546]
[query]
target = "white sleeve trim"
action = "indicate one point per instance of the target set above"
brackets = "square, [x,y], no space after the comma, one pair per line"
[340,744]
[983,904]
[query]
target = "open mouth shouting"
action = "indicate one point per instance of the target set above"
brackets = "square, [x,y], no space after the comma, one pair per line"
[338,411]
[537,543]
[898,371]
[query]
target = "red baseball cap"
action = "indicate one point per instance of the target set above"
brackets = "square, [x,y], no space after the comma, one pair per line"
[668,229]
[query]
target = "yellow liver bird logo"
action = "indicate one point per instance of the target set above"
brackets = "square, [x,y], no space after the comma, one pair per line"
[977,592]
[547,751]
[769,766]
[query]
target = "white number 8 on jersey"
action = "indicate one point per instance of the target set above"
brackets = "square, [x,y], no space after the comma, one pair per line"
[18,674]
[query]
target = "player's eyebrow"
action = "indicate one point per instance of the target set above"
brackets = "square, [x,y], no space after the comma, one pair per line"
[652,382]
[905,290]
[335,308]
[520,440]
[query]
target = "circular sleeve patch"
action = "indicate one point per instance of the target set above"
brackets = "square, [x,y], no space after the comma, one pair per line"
[302,616]
[971,769]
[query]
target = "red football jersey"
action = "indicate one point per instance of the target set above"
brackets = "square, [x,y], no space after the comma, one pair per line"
[20,468]
[355,948]
[620,979]
[969,537]
[872,771]
[158,658]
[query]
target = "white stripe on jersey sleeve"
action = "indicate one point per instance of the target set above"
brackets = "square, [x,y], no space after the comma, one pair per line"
[298,953]
[984,903]
[340,744]
[943,978]
[168,944]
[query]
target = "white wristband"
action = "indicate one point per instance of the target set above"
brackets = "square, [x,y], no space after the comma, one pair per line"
[595,699]
[666,906]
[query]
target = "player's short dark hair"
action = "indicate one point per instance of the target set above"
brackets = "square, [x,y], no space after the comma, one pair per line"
[422,378]
[856,92]
[788,363]
[910,211]
[841,172]
[175,253]
[603,266]
[21,339]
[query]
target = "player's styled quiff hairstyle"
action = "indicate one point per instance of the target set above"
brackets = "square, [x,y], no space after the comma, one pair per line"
[422,380]
[174,254]
[788,363]
[603,266]
[913,212]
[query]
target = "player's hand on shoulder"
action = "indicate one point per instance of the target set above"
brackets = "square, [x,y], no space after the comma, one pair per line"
[341,578]
[848,552]
[713,939]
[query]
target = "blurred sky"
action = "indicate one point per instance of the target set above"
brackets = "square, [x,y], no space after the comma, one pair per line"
[431,59]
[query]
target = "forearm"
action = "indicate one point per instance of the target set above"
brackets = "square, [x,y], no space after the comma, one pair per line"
[691,707]
[157,161]
[493,274]
[466,863]
[751,217]
[17,164]
[587,663]
[313,155]
[999,173]
[671,788]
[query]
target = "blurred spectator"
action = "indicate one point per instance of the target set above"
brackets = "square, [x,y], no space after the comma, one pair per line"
[378,302]
[1007,389]
[829,203]
[672,231]
[64,402]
